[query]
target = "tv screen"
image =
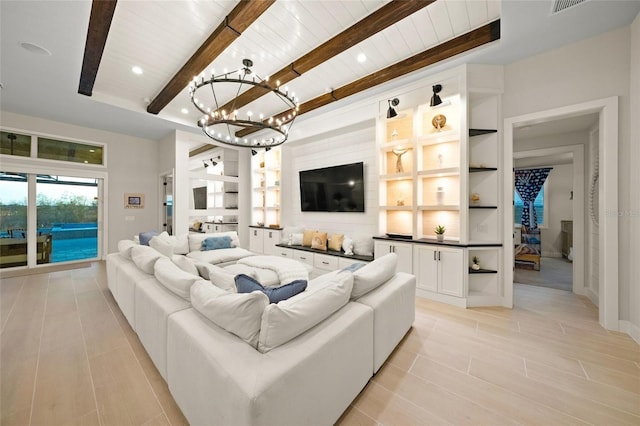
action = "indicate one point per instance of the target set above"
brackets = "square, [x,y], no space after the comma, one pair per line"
[333,189]
[200,198]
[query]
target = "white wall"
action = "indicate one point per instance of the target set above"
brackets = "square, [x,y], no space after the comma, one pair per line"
[560,207]
[634,178]
[132,166]
[595,68]
[347,145]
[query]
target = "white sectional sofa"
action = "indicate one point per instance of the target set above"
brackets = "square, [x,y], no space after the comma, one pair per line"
[236,359]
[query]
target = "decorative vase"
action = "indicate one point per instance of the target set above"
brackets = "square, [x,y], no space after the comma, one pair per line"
[475,267]
[440,237]
[440,196]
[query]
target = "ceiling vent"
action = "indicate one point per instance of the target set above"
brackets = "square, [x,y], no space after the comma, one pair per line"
[560,5]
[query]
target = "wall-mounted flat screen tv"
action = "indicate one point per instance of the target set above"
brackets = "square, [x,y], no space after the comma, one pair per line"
[333,189]
[200,198]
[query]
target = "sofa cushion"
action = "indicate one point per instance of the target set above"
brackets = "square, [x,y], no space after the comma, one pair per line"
[145,237]
[179,243]
[247,284]
[240,314]
[319,241]
[283,321]
[195,240]
[125,246]
[374,274]
[173,278]
[218,276]
[161,245]
[216,243]
[219,256]
[185,264]
[335,242]
[145,257]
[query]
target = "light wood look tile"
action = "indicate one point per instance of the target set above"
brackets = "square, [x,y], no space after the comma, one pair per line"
[70,357]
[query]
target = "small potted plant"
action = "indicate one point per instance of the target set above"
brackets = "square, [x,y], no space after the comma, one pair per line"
[476,263]
[440,232]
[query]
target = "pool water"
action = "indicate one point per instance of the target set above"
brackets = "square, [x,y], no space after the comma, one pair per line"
[74,249]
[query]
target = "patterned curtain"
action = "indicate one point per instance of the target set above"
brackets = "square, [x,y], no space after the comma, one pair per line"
[528,184]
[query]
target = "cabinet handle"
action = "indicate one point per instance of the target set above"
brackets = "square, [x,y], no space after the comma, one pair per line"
[438,256]
[325,263]
[269,234]
[255,233]
[303,258]
[434,255]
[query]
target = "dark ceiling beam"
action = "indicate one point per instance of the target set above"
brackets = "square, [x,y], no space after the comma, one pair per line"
[382,18]
[99,24]
[234,24]
[471,40]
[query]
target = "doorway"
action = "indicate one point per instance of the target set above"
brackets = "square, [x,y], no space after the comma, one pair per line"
[605,296]
[552,257]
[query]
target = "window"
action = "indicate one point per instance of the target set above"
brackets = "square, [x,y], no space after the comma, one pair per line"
[15,144]
[538,205]
[69,151]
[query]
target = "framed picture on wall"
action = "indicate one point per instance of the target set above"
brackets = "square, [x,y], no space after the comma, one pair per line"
[133,201]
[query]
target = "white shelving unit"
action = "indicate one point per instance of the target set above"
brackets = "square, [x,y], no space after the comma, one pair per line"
[450,176]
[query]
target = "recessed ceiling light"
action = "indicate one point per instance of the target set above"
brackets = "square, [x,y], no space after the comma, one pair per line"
[362,58]
[34,48]
[136,70]
[184,111]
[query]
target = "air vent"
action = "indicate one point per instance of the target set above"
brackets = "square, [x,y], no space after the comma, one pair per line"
[560,5]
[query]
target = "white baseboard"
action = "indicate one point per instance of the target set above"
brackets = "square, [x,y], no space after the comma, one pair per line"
[631,329]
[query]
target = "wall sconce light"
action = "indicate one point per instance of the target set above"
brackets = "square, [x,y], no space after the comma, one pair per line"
[254,152]
[214,163]
[391,112]
[435,99]
[267,149]
[205,163]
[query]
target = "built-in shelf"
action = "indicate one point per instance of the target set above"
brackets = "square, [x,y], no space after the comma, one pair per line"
[450,207]
[396,208]
[483,207]
[482,271]
[448,171]
[482,169]
[396,176]
[478,132]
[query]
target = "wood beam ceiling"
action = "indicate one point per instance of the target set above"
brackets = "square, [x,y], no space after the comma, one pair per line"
[234,24]
[377,21]
[99,24]
[448,49]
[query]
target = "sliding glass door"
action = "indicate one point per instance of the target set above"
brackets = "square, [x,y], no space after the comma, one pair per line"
[66,214]
[67,218]
[13,219]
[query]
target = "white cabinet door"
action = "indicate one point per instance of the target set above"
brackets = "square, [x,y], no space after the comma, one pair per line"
[256,240]
[271,238]
[425,263]
[451,272]
[403,250]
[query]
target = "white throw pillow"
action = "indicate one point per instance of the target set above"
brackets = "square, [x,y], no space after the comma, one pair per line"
[162,245]
[125,246]
[145,257]
[186,264]
[374,274]
[219,277]
[288,231]
[347,245]
[363,245]
[289,318]
[296,238]
[173,278]
[238,313]
[181,244]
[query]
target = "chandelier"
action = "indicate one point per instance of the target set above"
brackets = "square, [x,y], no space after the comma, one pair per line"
[230,124]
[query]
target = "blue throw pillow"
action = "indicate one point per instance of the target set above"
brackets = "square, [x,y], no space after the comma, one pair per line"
[145,237]
[353,267]
[215,243]
[246,284]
